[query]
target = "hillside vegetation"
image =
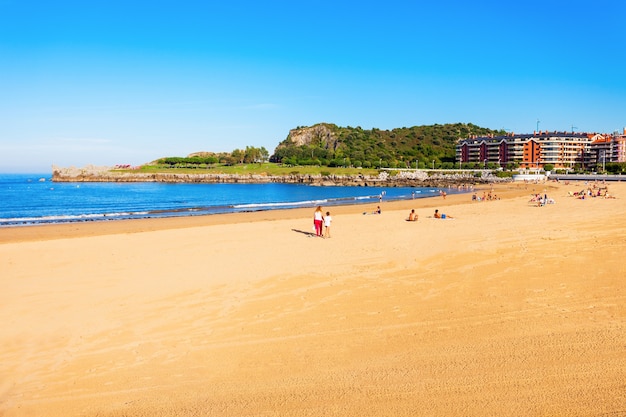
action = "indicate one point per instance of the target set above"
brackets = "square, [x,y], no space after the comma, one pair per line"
[329,145]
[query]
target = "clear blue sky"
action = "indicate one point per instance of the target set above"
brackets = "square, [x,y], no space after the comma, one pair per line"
[107,82]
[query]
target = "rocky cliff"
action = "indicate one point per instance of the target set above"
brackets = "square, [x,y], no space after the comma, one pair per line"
[319,135]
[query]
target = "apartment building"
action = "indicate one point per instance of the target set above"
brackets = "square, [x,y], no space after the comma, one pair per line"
[560,149]
[606,149]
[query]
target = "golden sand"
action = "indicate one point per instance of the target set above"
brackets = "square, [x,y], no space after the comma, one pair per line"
[508,309]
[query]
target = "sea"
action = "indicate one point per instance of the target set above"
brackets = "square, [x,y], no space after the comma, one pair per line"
[33,199]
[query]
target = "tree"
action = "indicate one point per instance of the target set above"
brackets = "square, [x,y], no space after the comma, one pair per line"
[229,160]
[615,167]
[238,155]
[251,154]
[264,154]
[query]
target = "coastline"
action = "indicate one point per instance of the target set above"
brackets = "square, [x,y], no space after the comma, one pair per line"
[509,308]
[75,202]
[106,227]
[402,177]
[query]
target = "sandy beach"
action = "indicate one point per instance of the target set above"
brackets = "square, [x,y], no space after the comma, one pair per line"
[506,309]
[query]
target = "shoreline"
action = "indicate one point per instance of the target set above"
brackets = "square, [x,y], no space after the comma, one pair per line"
[106,227]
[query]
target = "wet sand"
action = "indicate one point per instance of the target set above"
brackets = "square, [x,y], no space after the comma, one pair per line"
[507,309]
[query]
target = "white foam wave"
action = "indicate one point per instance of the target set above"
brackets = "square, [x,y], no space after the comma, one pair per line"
[283,204]
[69,218]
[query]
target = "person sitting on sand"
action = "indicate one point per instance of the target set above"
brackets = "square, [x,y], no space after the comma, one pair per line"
[442,216]
[412,216]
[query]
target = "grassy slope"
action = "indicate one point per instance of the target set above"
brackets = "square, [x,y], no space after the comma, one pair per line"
[260,169]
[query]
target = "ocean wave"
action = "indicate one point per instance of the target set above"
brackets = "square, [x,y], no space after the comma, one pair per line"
[69,218]
[306,203]
[281,204]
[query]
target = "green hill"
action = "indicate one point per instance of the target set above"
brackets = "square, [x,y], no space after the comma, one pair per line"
[332,145]
[326,144]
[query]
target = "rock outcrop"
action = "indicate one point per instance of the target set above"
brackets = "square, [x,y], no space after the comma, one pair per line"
[320,135]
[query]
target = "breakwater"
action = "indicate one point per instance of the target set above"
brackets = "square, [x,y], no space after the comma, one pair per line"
[409,178]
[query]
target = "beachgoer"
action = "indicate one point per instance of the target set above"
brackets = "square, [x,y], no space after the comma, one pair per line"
[318,219]
[327,221]
[412,216]
[441,216]
[377,211]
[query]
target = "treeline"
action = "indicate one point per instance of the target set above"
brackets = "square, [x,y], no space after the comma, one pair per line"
[206,159]
[615,167]
[418,146]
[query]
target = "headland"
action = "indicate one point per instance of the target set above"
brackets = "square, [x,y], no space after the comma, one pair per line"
[400,178]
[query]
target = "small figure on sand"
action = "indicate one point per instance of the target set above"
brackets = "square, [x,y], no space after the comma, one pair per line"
[327,222]
[318,219]
[377,211]
[412,216]
[437,215]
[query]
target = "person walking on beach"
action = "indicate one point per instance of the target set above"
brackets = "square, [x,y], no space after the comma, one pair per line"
[327,221]
[318,219]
